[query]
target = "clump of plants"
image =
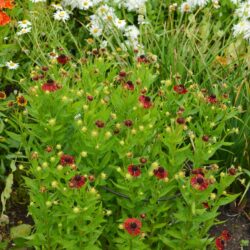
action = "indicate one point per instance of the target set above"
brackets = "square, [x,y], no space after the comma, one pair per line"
[119,159]
[123,149]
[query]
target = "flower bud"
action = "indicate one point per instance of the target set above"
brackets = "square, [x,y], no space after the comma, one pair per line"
[84,154]
[48,203]
[76,210]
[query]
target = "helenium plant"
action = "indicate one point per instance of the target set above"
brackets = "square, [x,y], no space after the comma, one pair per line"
[121,160]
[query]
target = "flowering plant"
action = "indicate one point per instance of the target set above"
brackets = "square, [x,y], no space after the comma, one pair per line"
[124,147]
[119,159]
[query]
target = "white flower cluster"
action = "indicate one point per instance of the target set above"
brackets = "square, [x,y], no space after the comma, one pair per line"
[243,27]
[81,4]
[24,26]
[131,5]
[60,14]
[190,5]
[105,22]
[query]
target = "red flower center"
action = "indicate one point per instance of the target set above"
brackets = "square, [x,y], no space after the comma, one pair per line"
[135,168]
[161,170]
[77,177]
[21,99]
[133,225]
[200,180]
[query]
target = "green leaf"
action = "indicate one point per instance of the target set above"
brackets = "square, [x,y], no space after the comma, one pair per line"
[20,231]
[168,242]
[225,200]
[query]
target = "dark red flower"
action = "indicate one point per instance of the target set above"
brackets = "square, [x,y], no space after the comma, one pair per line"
[67,160]
[212,99]
[220,243]
[160,173]
[205,205]
[129,85]
[62,59]
[205,138]
[198,171]
[180,89]
[95,52]
[142,59]
[100,124]
[181,120]
[45,68]
[128,123]
[134,170]
[48,149]
[122,74]
[90,98]
[199,182]
[132,226]
[143,160]
[50,86]
[226,235]
[232,171]
[145,101]
[143,216]
[91,178]
[21,101]
[77,181]
[2,95]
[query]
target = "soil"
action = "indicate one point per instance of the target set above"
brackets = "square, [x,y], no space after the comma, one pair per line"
[17,213]
[238,224]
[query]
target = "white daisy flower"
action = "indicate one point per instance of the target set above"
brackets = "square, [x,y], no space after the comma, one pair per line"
[61,15]
[95,31]
[120,24]
[23,31]
[242,28]
[11,65]
[24,24]
[85,5]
